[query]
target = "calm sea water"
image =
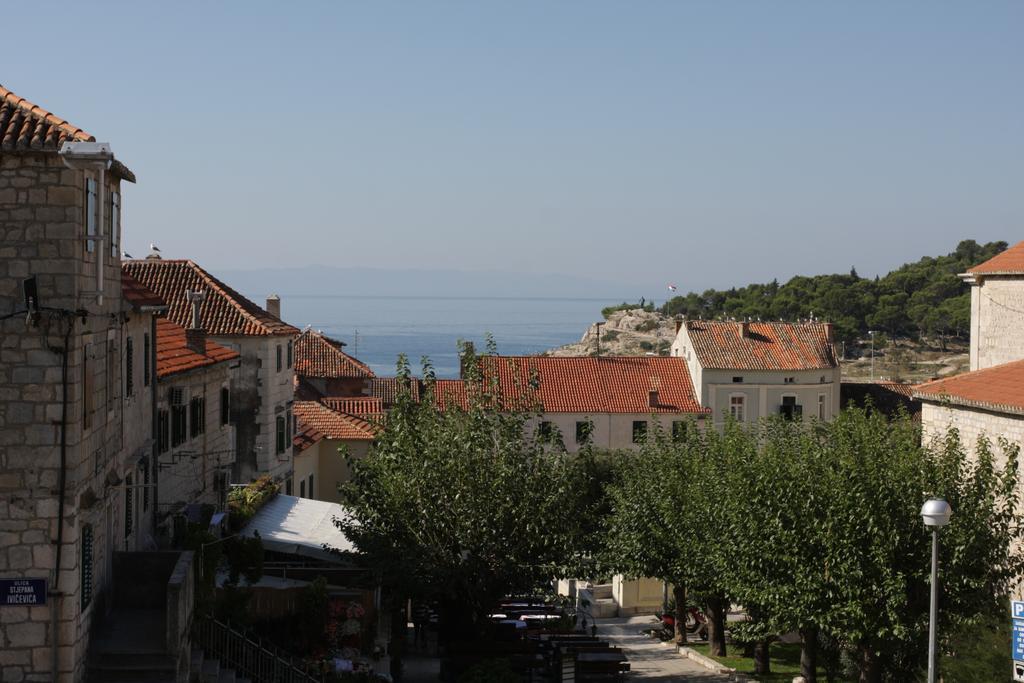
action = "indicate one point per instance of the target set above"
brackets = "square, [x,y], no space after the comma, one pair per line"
[377,329]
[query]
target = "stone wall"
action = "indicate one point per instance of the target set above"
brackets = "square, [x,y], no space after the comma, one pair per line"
[42,233]
[997,321]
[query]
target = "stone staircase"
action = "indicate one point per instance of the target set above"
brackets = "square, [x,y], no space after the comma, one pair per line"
[603,605]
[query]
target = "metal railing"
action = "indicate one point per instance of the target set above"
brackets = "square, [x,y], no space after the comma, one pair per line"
[251,658]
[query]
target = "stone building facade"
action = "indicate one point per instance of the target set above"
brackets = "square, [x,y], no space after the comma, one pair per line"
[997,309]
[195,448]
[263,386]
[62,425]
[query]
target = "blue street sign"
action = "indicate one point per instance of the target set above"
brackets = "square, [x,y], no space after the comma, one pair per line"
[1017,609]
[1018,639]
[22,592]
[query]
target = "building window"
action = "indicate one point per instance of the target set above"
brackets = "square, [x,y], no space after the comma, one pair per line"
[197,415]
[86,566]
[584,431]
[163,431]
[680,430]
[302,488]
[789,408]
[544,431]
[111,355]
[225,405]
[280,434]
[129,367]
[290,353]
[90,213]
[288,486]
[145,360]
[129,511]
[639,431]
[737,380]
[821,406]
[87,387]
[289,423]
[788,380]
[737,405]
[115,224]
[312,489]
[179,419]
[279,358]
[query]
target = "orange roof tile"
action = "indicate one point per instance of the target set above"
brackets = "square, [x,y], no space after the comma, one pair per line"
[224,312]
[366,407]
[388,388]
[28,127]
[332,424]
[584,384]
[1009,262]
[173,354]
[767,346]
[999,388]
[138,295]
[317,355]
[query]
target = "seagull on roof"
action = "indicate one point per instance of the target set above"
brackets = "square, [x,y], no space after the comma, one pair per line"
[127,255]
[153,247]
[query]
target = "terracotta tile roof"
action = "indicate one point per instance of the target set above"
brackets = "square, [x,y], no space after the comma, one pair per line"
[304,437]
[174,356]
[28,127]
[138,295]
[387,390]
[317,355]
[225,312]
[999,388]
[767,346]
[366,407]
[1009,262]
[332,424]
[585,384]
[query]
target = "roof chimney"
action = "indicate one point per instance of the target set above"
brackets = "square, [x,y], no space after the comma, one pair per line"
[743,327]
[652,398]
[829,333]
[274,306]
[195,335]
[679,323]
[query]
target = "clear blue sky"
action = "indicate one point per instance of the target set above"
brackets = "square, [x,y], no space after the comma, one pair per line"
[701,143]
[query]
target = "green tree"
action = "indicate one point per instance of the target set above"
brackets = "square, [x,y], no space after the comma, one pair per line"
[462,506]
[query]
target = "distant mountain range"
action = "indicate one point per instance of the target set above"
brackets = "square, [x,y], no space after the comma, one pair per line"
[335,281]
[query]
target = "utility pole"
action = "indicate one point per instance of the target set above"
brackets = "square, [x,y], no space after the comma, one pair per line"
[598,338]
[872,333]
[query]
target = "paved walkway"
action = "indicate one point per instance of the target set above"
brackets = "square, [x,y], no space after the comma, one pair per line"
[649,660]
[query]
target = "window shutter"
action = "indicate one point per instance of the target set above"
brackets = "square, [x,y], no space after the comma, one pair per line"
[145,360]
[129,366]
[86,577]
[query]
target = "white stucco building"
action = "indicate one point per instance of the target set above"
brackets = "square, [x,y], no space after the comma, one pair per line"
[752,370]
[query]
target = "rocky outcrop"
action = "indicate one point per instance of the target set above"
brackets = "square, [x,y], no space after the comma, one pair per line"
[633,332]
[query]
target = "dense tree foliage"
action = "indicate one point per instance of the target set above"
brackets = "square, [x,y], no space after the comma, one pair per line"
[816,528]
[925,297]
[462,507]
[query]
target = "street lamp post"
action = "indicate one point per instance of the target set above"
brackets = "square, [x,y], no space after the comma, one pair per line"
[936,513]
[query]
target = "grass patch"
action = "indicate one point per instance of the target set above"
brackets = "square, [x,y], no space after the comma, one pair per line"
[784,658]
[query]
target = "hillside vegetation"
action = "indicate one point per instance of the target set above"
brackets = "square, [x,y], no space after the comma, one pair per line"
[925,298]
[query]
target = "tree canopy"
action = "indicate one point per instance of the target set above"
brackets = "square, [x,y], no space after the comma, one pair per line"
[925,297]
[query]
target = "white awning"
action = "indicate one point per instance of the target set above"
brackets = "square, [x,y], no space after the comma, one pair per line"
[300,526]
